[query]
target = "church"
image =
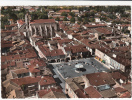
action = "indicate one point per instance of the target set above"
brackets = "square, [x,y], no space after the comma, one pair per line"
[42,27]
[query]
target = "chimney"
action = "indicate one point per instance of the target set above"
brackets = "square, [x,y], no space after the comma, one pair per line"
[37,65]
[114,55]
[56,87]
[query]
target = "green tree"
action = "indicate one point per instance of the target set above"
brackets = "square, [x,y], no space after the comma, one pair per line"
[57,19]
[72,20]
[72,14]
[4,21]
[85,20]
[103,18]
[34,16]
[92,20]
[64,14]
[65,19]
[42,16]
[79,18]
[21,16]
[13,16]
[51,18]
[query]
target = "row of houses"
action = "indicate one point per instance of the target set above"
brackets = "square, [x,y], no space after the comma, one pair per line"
[98,85]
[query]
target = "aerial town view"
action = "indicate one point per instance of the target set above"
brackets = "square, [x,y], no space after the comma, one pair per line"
[66,52]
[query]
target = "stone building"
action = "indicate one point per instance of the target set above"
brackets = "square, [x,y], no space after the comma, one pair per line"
[41,27]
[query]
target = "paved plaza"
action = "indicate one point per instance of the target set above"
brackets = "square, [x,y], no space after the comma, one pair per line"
[68,69]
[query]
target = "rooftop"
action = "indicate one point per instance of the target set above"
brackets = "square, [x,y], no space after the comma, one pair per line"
[47,80]
[51,93]
[64,11]
[39,21]
[100,78]
[92,92]
[108,93]
[20,71]
[26,80]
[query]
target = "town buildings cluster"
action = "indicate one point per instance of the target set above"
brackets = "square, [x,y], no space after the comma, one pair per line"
[49,58]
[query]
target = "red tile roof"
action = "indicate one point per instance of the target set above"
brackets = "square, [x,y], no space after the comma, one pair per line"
[9,31]
[41,93]
[123,61]
[39,21]
[97,25]
[104,31]
[26,80]
[76,49]
[12,63]
[47,80]
[119,89]
[68,31]
[12,25]
[125,25]
[57,52]
[3,66]
[34,70]
[32,9]
[28,53]
[84,32]
[3,58]
[21,22]
[5,44]
[102,78]
[20,71]
[64,41]
[69,17]
[80,93]
[35,61]
[92,92]
[126,95]
[56,38]
[61,17]
[64,11]
[118,75]
[45,50]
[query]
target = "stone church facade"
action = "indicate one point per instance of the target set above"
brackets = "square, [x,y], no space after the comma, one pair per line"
[42,27]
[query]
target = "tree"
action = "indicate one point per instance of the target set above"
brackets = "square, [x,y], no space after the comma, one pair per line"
[103,18]
[64,14]
[72,14]
[65,19]
[4,21]
[42,16]
[51,18]
[79,18]
[86,20]
[57,19]
[13,16]
[72,20]
[112,16]
[23,10]
[92,14]
[20,16]
[87,14]
[92,20]
[34,16]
